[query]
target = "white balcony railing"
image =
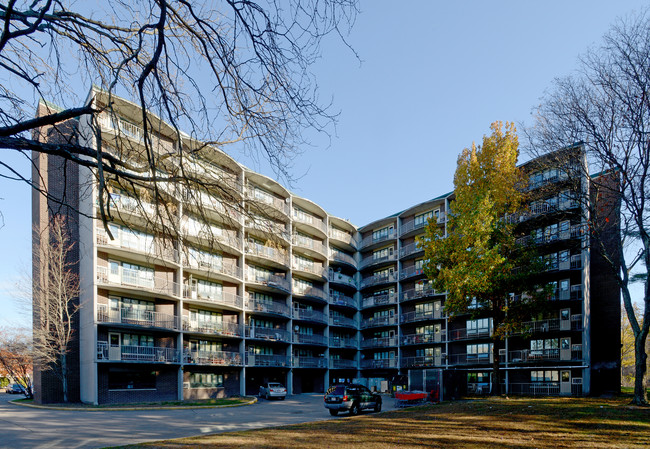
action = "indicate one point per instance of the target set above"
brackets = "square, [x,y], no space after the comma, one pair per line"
[213,327]
[134,317]
[131,279]
[213,358]
[144,354]
[223,298]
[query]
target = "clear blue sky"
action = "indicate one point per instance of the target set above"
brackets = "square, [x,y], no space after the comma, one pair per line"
[433,76]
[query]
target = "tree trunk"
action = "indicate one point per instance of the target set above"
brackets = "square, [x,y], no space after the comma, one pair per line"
[496,372]
[640,356]
[64,376]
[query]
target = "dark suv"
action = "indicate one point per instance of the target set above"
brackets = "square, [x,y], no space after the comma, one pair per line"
[351,398]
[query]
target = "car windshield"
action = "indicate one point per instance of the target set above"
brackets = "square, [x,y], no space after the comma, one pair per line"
[336,389]
[275,385]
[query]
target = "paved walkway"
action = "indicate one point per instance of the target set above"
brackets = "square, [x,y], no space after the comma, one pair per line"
[25,427]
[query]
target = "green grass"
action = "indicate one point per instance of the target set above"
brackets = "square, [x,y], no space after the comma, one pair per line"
[630,390]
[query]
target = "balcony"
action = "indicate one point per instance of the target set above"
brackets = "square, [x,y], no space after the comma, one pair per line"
[378,279]
[383,342]
[264,200]
[142,318]
[279,256]
[309,339]
[129,278]
[343,364]
[135,133]
[470,359]
[213,265]
[371,240]
[309,362]
[338,256]
[131,243]
[418,339]
[411,226]
[274,308]
[223,298]
[410,272]
[373,260]
[216,358]
[469,334]
[268,334]
[138,354]
[342,321]
[414,317]
[343,279]
[310,220]
[316,270]
[378,300]
[212,234]
[213,328]
[311,292]
[341,236]
[268,227]
[342,300]
[378,321]
[278,361]
[207,202]
[543,355]
[424,361]
[309,315]
[269,280]
[536,326]
[534,389]
[310,244]
[339,342]
[408,295]
[410,249]
[378,364]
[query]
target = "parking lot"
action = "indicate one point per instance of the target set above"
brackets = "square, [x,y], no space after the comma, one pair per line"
[25,427]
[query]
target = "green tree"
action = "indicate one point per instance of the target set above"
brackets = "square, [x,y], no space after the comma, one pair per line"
[478,262]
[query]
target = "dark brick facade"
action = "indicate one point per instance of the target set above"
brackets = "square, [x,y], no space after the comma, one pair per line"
[166,387]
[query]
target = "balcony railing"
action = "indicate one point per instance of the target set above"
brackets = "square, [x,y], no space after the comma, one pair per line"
[309,315]
[379,300]
[371,260]
[274,307]
[341,236]
[267,252]
[534,389]
[213,265]
[268,360]
[211,202]
[310,220]
[470,359]
[222,298]
[378,364]
[342,321]
[309,362]
[378,279]
[341,278]
[210,233]
[552,324]
[379,321]
[143,354]
[382,342]
[135,133]
[415,316]
[144,318]
[343,364]
[410,272]
[423,361]
[417,339]
[408,295]
[215,358]
[410,226]
[270,280]
[266,199]
[312,292]
[158,249]
[411,248]
[130,278]
[468,334]
[342,300]
[268,334]
[339,342]
[316,269]
[268,226]
[305,242]
[338,256]
[309,339]
[533,355]
[371,240]
[209,327]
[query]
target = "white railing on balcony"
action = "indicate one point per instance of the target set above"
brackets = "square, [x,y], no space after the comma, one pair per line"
[372,259]
[379,321]
[410,272]
[134,132]
[213,265]
[381,342]
[342,300]
[135,317]
[214,358]
[341,236]
[413,316]
[309,315]
[274,307]
[223,298]
[280,256]
[465,334]
[125,240]
[380,363]
[416,339]
[534,389]
[309,339]
[312,292]
[130,278]
[338,256]
[270,280]
[268,334]
[146,354]
[305,242]
[378,279]
[533,355]
[342,321]
[339,342]
[210,327]
[379,300]
[266,199]
[410,226]
[309,362]
[211,232]
[268,226]
[267,360]
[470,359]
[211,202]
[371,240]
[343,364]
[341,278]
[409,249]
[410,294]
[315,268]
[310,220]
[424,361]
[535,326]
[132,205]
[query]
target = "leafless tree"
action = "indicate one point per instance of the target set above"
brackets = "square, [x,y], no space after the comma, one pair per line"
[55,301]
[16,357]
[229,73]
[606,106]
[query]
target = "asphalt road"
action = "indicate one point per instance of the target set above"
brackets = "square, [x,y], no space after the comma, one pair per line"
[25,427]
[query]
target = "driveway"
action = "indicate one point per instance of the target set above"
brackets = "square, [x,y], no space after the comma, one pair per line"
[24,427]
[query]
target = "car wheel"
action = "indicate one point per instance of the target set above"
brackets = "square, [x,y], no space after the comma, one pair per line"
[378,407]
[334,412]
[355,409]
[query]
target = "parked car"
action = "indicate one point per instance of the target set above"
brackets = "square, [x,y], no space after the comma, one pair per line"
[351,398]
[273,390]
[15,389]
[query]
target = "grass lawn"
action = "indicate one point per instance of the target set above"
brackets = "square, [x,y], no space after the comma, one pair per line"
[495,422]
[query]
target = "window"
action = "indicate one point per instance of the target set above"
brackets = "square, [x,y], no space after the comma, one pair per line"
[385,273]
[207,289]
[386,313]
[383,253]
[261,297]
[478,377]
[302,285]
[258,273]
[303,263]
[204,259]
[479,351]
[550,233]
[383,233]
[422,219]
[419,264]
[421,286]
[205,346]
[205,317]
[550,261]
[425,330]
[423,309]
[304,330]
[262,195]
[260,350]
[384,355]
[137,340]
[206,380]
[544,376]
[543,344]
[256,322]
[480,326]
[128,273]
[130,238]
[131,379]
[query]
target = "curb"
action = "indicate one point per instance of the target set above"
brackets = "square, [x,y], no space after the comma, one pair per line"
[251,401]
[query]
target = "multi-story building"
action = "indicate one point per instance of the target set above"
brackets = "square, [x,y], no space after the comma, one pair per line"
[277,289]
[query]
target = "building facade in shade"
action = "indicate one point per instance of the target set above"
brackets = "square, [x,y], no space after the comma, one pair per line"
[283,291]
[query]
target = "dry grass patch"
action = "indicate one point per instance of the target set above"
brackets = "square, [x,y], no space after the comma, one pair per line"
[499,423]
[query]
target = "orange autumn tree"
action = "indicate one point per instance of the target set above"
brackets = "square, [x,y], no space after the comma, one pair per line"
[478,262]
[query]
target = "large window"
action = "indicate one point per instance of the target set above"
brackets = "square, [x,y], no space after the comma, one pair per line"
[261,298]
[383,233]
[205,346]
[479,351]
[204,259]
[382,253]
[424,309]
[137,340]
[128,273]
[205,317]
[207,289]
[544,376]
[206,380]
[480,326]
[421,219]
[303,263]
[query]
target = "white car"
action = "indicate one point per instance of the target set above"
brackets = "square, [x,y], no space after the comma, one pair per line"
[273,390]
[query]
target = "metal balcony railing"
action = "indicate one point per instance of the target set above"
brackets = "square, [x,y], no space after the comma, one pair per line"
[380,363]
[341,236]
[270,280]
[211,202]
[379,321]
[214,358]
[343,321]
[408,295]
[309,315]
[551,324]
[223,298]
[210,232]
[310,220]
[342,300]
[130,278]
[305,242]
[274,307]
[267,252]
[534,389]
[470,359]
[410,272]
[309,362]
[411,225]
[338,256]
[382,342]
[371,240]
[135,133]
[213,265]
[378,279]
[371,260]
[343,364]
[338,342]
[312,292]
[309,339]
[340,278]
[143,354]
[533,355]
[268,360]
[266,199]
[423,361]
[210,327]
[411,248]
[413,316]
[268,334]
[144,318]
[469,334]
[379,300]
[157,249]
[316,269]
[417,339]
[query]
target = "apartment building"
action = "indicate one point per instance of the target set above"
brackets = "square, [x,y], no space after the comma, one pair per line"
[277,289]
